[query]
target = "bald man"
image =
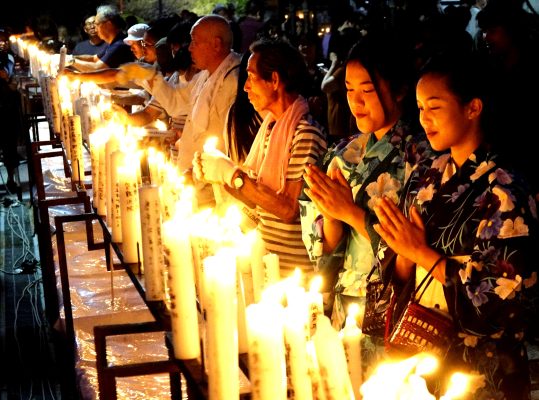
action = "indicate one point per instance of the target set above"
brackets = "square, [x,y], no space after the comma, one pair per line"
[208,96]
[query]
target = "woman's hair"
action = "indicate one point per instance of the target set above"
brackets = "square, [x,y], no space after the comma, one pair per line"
[387,57]
[281,57]
[243,120]
[460,74]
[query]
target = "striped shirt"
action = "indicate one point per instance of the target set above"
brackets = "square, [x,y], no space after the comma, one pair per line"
[283,238]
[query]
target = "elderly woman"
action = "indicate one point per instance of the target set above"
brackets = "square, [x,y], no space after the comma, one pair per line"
[287,141]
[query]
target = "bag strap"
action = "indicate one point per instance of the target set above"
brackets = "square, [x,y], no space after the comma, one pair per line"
[429,277]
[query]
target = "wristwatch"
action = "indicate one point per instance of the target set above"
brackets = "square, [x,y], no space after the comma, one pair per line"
[237,182]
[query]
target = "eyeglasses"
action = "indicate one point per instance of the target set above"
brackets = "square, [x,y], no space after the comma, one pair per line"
[146,44]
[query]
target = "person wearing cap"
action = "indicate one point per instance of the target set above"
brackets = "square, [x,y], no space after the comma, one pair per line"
[134,38]
[109,24]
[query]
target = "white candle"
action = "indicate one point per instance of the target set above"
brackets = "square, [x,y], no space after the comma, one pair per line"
[130,213]
[115,222]
[332,361]
[77,159]
[271,269]
[243,345]
[221,315]
[316,304]
[351,340]
[56,113]
[66,132]
[95,142]
[267,368]
[181,283]
[111,146]
[152,248]
[257,266]
[102,179]
[296,335]
[62,62]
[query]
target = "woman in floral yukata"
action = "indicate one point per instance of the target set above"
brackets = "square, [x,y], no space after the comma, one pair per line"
[363,167]
[471,214]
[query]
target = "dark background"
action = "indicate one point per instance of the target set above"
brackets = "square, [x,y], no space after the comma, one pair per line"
[16,13]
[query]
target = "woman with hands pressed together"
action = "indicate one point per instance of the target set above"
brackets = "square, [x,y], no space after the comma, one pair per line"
[474,217]
[359,170]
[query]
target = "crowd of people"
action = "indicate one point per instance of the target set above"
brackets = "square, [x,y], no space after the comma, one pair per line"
[402,140]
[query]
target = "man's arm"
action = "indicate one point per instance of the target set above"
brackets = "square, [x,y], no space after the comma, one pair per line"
[284,205]
[86,57]
[107,75]
[85,66]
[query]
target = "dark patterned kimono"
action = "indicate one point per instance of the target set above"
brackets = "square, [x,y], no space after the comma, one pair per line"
[483,217]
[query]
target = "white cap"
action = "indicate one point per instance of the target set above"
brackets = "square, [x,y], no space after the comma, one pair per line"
[136,32]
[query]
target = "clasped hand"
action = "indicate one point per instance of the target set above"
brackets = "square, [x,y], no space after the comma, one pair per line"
[330,193]
[214,167]
[405,236]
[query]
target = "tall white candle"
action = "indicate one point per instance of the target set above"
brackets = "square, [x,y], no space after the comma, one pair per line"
[62,62]
[257,266]
[267,366]
[115,221]
[351,340]
[130,213]
[77,159]
[221,315]
[95,142]
[181,282]
[296,334]
[152,248]
[102,179]
[315,303]
[332,361]
[243,346]
[271,269]
[66,132]
[111,146]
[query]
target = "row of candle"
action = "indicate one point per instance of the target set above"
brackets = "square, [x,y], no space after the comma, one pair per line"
[291,348]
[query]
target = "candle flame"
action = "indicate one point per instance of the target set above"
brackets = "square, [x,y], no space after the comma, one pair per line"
[160,125]
[316,284]
[211,144]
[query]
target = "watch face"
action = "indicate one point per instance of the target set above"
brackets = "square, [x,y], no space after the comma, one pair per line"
[238,182]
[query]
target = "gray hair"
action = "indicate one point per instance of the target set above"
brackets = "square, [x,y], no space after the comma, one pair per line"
[110,13]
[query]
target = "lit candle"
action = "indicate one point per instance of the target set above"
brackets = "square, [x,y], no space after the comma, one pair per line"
[267,366]
[95,142]
[130,213]
[102,179]
[351,340]
[152,249]
[316,304]
[221,315]
[56,113]
[332,361]
[243,345]
[115,222]
[77,160]
[271,269]
[257,266]
[111,146]
[181,283]
[296,335]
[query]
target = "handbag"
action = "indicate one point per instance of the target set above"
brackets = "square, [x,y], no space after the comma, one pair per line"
[422,328]
[379,300]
